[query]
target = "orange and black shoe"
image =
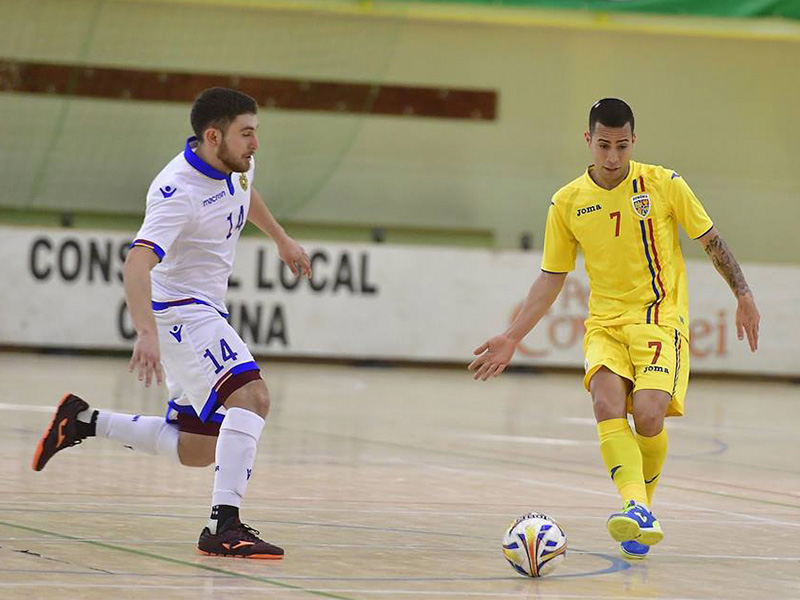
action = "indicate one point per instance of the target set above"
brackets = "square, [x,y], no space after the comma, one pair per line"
[237,540]
[64,431]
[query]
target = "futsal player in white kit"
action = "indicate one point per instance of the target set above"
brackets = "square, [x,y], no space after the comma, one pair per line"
[176,276]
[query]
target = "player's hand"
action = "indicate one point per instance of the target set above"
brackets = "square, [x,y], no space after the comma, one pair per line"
[295,257]
[493,357]
[147,359]
[747,320]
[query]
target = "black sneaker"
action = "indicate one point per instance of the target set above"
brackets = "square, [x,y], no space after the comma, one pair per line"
[238,540]
[63,431]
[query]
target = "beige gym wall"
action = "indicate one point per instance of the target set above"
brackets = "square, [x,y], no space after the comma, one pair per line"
[721,109]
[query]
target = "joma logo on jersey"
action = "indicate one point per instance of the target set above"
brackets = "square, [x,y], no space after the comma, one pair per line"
[214,198]
[587,209]
[656,369]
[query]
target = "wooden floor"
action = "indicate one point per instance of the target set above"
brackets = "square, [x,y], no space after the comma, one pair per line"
[398,483]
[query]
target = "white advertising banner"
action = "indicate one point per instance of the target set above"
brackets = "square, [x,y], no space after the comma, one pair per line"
[63,288]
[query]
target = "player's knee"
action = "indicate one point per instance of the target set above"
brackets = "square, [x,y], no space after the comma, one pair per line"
[253,396]
[261,402]
[256,399]
[608,406]
[609,395]
[649,422]
[649,410]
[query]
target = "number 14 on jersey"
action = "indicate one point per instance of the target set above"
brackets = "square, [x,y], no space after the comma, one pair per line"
[239,222]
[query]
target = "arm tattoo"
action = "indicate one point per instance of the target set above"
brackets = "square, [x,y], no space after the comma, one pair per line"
[726,264]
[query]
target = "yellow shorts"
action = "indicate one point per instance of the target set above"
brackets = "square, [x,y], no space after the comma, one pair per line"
[651,357]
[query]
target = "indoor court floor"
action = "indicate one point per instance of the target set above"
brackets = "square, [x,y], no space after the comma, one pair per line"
[398,483]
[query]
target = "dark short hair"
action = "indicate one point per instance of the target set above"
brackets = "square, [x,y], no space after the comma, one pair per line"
[218,107]
[611,112]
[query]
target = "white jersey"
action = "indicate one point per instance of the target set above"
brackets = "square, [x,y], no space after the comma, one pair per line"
[194,217]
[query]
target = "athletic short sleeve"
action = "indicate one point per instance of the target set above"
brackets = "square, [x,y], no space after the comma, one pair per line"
[687,208]
[168,212]
[560,246]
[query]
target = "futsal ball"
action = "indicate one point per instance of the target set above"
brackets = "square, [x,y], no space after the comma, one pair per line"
[534,544]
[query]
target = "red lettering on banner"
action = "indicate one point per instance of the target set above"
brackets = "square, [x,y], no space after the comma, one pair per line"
[722,331]
[522,348]
[573,291]
[565,330]
[703,343]
[572,326]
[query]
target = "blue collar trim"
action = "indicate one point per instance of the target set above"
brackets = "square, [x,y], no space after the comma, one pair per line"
[205,168]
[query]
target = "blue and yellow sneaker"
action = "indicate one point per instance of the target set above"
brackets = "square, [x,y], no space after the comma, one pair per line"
[634,550]
[635,522]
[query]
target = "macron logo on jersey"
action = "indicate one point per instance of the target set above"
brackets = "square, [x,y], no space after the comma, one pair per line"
[167,191]
[214,198]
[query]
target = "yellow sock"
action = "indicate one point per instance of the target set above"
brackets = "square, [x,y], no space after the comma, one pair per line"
[623,459]
[654,451]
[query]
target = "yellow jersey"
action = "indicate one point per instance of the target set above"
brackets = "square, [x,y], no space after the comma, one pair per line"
[629,239]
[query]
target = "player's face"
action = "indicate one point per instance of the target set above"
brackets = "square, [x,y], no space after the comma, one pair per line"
[239,143]
[611,148]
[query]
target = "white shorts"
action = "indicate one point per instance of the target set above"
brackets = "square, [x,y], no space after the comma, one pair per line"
[200,351]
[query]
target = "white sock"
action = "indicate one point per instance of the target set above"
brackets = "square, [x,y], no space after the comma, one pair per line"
[235,455]
[85,416]
[152,435]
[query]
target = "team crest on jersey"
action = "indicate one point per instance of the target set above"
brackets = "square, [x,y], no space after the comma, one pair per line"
[641,205]
[243,181]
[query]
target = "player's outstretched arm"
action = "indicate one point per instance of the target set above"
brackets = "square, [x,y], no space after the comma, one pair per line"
[136,278]
[747,317]
[495,353]
[289,250]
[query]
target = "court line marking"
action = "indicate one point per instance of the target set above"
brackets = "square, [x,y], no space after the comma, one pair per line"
[177,561]
[713,430]
[398,547]
[300,577]
[571,488]
[720,446]
[617,564]
[614,568]
[703,455]
[271,520]
[88,507]
[585,421]
[542,464]
[329,591]
[526,439]
[674,425]
[373,546]
[312,500]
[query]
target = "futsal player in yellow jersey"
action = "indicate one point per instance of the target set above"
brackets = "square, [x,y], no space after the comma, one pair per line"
[624,216]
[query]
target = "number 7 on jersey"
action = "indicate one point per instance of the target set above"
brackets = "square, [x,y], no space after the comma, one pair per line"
[616,215]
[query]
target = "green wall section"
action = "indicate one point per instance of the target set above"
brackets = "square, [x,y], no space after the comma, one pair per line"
[720,110]
[716,8]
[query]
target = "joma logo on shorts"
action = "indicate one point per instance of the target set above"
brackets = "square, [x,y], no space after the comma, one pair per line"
[656,369]
[588,209]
